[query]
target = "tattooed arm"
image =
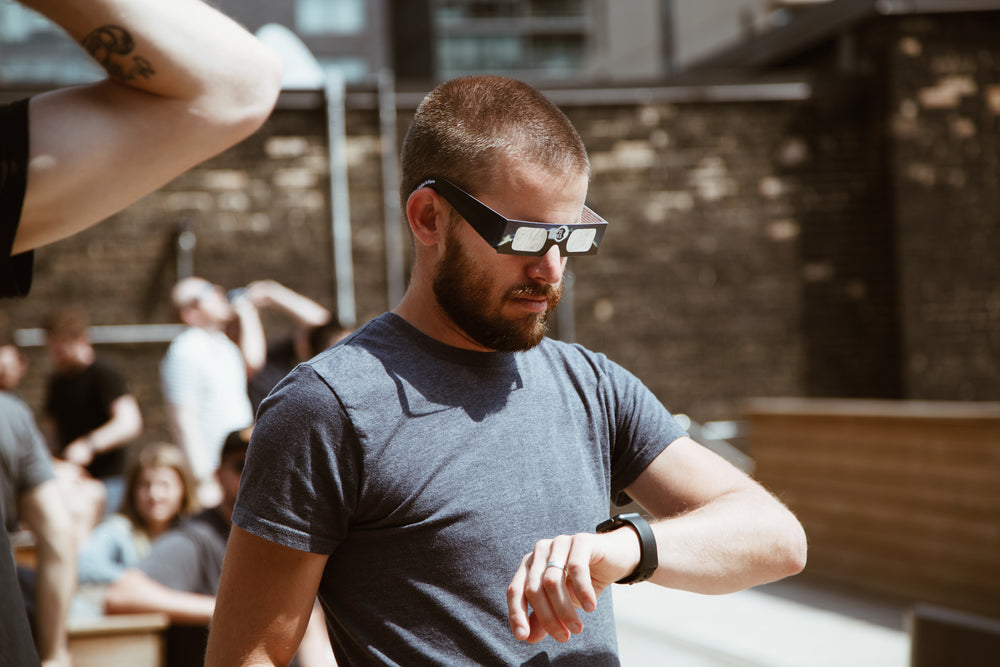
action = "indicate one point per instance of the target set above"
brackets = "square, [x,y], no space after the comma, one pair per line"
[184,83]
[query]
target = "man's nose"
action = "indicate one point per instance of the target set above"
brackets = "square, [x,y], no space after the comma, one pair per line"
[548,268]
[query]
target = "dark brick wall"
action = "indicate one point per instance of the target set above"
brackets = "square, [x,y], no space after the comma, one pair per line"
[260,210]
[696,286]
[944,98]
[841,246]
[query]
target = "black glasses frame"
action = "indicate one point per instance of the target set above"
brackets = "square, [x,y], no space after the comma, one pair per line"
[499,231]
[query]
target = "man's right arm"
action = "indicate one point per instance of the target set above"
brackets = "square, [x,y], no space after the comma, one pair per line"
[185,82]
[124,426]
[264,603]
[45,514]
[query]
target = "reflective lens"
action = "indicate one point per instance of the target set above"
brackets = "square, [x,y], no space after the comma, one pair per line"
[529,239]
[580,240]
[520,237]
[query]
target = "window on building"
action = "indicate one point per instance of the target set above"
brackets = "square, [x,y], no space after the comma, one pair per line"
[326,17]
[517,37]
[491,9]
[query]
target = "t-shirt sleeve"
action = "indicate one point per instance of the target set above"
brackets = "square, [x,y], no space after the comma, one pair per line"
[34,460]
[15,272]
[300,480]
[643,428]
[25,461]
[110,384]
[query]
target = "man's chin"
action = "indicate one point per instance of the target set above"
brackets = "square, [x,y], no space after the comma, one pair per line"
[521,334]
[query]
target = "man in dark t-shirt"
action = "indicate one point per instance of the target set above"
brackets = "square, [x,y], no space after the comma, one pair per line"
[90,415]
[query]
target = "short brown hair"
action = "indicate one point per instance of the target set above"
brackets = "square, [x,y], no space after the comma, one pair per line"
[466,128]
[68,322]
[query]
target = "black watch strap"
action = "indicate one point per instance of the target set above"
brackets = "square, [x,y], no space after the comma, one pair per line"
[648,559]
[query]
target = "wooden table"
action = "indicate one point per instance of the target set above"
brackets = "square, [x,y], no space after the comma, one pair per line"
[119,640]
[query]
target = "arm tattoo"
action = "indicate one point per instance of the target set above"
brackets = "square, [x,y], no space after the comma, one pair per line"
[110,45]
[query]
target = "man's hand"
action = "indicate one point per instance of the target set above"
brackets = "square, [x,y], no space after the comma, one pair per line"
[562,575]
[79,452]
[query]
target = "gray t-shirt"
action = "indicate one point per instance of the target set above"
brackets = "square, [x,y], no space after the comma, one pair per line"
[426,472]
[25,461]
[188,558]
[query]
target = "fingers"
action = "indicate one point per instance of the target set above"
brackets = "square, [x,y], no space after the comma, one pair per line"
[554,580]
[548,589]
[517,603]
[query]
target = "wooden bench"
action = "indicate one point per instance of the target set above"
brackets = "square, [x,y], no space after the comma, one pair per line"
[23,544]
[124,640]
[901,497]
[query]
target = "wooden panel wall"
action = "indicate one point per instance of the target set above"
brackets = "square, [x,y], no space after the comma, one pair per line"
[901,497]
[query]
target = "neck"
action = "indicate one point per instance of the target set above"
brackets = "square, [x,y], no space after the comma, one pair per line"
[154,530]
[424,314]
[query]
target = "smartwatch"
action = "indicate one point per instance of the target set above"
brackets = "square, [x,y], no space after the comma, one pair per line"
[648,560]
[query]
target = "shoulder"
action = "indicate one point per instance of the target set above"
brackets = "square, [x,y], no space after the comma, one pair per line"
[575,358]
[301,398]
[355,356]
[187,338]
[104,368]
[18,419]
[13,406]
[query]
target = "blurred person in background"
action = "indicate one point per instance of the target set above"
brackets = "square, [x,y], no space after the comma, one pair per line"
[30,496]
[184,83]
[314,330]
[90,415]
[180,575]
[159,492]
[204,375]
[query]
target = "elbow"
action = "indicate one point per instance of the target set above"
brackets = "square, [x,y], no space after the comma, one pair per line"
[120,598]
[793,549]
[254,92]
[114,601]
[255,366]
[136,427]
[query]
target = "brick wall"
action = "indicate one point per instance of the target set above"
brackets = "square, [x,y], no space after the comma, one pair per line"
[839,246]
[699,287]
[696,288]
[944,101]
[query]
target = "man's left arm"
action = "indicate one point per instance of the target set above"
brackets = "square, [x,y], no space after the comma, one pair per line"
[716,531]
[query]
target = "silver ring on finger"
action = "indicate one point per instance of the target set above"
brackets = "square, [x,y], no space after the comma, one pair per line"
[552,563]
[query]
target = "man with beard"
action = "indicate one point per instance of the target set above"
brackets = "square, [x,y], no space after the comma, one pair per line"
[436,477]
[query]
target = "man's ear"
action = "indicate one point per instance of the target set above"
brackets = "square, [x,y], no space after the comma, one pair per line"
[427,214]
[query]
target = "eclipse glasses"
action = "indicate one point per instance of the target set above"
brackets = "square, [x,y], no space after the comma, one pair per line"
[519,237]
